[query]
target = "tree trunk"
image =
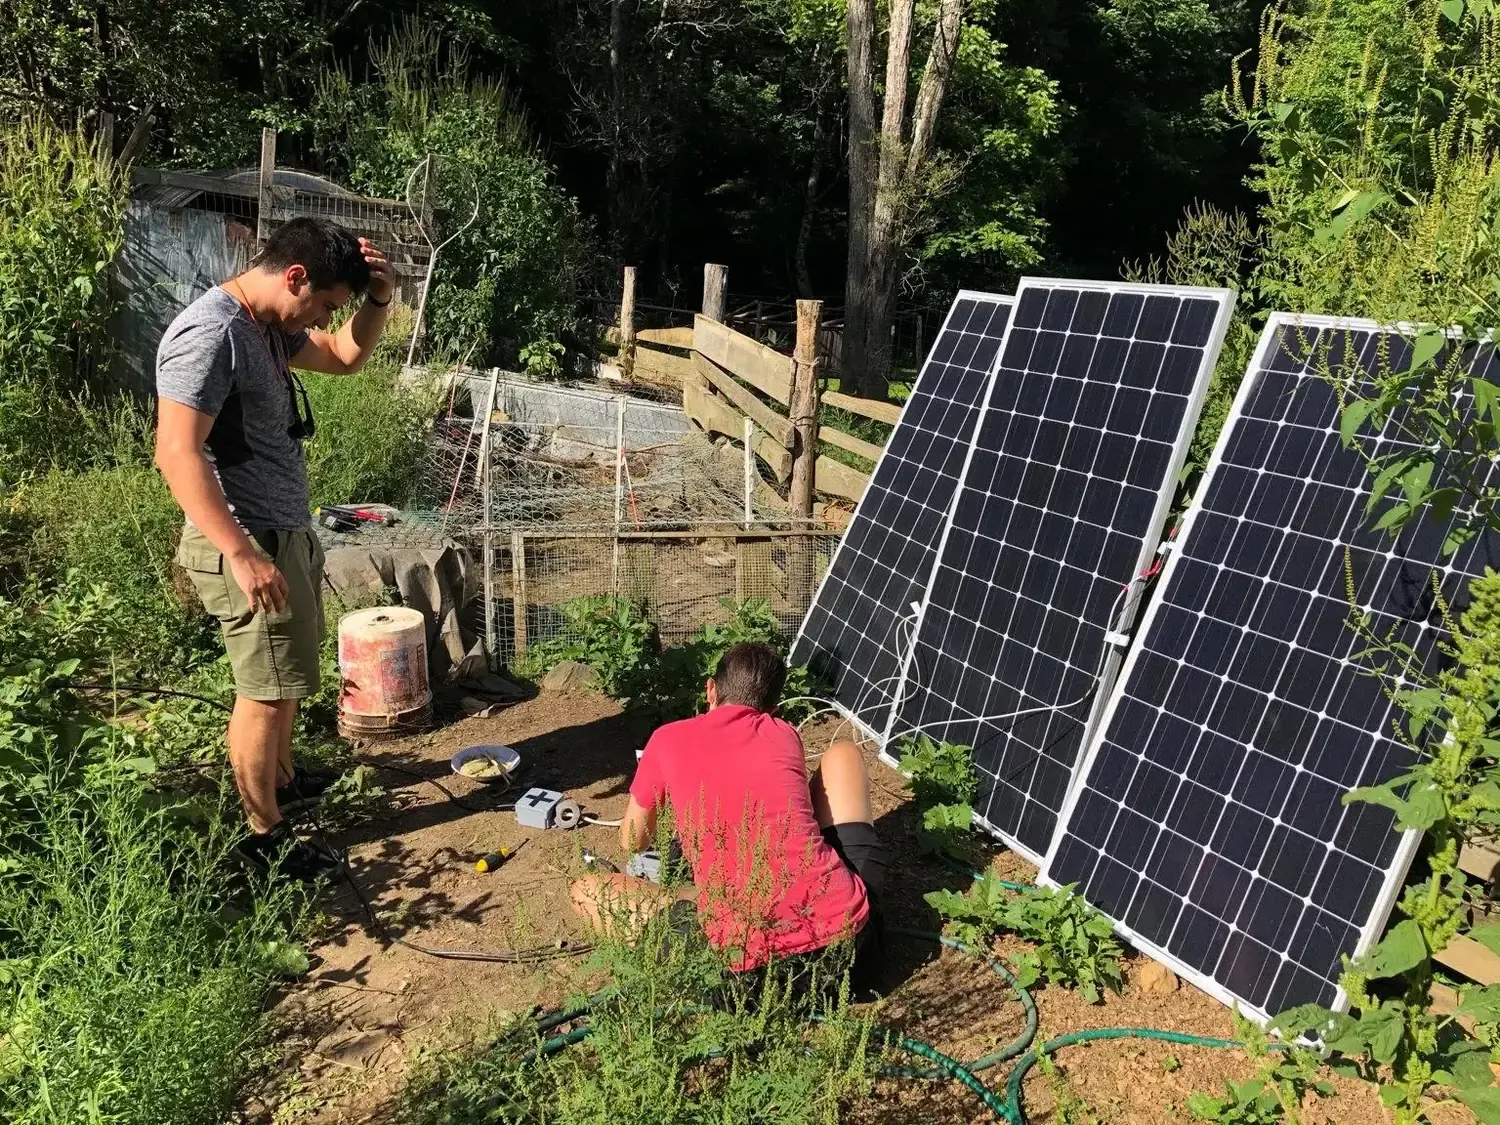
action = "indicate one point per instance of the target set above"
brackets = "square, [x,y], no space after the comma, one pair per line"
[809,211]
[862,177]
[612,177]
[870,296]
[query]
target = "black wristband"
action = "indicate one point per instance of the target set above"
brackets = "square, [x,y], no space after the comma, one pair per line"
[369,300]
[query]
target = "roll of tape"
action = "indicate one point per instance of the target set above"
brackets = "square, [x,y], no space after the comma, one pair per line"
[568,814]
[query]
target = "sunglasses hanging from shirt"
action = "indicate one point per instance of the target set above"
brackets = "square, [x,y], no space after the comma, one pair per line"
[305,426]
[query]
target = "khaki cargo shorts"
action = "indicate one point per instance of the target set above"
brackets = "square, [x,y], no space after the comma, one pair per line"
[274,655]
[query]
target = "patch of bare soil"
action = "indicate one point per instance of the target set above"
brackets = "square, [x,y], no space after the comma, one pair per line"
[348,1032]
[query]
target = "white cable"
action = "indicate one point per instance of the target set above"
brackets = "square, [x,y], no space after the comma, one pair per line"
[590,818]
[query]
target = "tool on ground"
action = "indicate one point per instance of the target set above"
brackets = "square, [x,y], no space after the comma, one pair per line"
[336,520]
[493,860]
[348,518]
[598,862]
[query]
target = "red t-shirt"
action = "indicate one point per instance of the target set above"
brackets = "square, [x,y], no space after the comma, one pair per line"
[768,883]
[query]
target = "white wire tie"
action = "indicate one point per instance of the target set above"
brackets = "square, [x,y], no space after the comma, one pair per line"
[1119,639]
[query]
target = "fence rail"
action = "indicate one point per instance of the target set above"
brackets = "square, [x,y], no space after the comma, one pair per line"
[767,402]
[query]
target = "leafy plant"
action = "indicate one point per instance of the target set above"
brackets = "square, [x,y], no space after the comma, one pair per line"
[1252,1102]
[613,636]
[942,780]
[507,284]
[1276,1094]
[1074,945]
[616,639]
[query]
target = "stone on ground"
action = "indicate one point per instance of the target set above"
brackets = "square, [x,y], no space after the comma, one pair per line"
[568,676]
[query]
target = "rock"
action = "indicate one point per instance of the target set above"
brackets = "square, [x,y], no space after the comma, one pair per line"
[569,676]
[1155,977]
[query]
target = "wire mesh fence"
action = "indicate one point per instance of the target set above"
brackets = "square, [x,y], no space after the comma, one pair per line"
[683,580]
[389,223]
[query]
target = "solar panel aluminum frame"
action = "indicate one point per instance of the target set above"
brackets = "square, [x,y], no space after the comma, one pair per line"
[1150,543]
[1410,839]
[865,729]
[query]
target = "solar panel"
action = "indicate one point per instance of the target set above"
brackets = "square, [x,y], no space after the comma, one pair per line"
[1064,496]
[1207,820]
[852,636]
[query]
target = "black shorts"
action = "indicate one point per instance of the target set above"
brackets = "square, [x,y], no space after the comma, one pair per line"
[864,854]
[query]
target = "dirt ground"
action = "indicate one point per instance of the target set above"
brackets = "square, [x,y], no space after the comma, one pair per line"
[347,1032]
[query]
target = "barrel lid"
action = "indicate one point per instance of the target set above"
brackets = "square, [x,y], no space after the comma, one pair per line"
[387,618]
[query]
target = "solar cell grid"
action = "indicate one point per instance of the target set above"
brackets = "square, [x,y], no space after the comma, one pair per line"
[1208,820]
[1062,502]
[853,634]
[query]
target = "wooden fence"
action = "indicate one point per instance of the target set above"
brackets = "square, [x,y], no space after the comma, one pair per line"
[1463,956]
[762,398]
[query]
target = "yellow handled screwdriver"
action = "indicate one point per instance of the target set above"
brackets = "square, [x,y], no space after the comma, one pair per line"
[493,860]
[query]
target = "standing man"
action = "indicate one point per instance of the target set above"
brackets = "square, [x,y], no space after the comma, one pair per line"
[231,423]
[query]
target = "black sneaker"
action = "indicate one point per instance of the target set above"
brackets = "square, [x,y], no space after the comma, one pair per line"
[281,852]
[305,788]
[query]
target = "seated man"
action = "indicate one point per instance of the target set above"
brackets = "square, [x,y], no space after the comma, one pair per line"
[782,866]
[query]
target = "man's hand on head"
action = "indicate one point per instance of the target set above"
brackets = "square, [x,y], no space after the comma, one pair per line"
[382,280]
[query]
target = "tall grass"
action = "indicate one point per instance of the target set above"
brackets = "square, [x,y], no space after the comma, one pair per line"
[131,973]
[131,987]
[62,206]
[673,1039]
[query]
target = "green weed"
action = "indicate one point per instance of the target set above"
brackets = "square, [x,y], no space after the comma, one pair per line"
[673,1038]
[372,437]
[1068,1106]
[1074,945]
[118,527]
[942,780]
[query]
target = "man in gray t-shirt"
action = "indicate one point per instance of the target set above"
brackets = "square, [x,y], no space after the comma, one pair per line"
[230,429]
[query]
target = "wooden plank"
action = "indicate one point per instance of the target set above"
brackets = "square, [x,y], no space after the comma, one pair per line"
[518,588]
[662,367]
[1467,957]
[838,479]
[1481,859]
[887,412]
[266,199]
[777,425]
[767,371]
[667,337]
[868,450]
[156,176]
[717,417]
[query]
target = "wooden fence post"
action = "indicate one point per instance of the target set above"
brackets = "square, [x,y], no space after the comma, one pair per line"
[266,199]
[518,598]
[715,279]
[804,415]
[804,406]
[627,324]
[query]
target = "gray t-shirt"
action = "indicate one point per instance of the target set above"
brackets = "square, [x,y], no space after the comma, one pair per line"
[217,360]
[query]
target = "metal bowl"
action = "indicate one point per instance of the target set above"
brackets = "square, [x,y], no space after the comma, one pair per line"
[503,756]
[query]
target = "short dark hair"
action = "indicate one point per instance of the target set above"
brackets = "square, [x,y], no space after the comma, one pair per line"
[329,253]
[750,674]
